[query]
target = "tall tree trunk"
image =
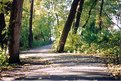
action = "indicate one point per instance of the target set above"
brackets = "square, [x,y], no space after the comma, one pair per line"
[30,25]
[14,31]
[2,26]
[67,26]
[100,15]
[49,25]
[57,19]
[78,16]
[2,22]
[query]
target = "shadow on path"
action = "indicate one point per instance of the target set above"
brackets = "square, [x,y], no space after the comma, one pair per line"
[41,65]
[65,77]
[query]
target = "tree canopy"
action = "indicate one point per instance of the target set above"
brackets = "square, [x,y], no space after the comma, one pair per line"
[76,26]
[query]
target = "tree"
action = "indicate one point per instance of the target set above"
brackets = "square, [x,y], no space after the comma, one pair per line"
[78,16]
[2,26]
[67,26]
[14,31]
[4,10]
[100,14]
[30,25]
[94,3]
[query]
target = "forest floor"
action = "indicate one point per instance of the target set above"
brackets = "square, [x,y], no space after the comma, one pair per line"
[41,64]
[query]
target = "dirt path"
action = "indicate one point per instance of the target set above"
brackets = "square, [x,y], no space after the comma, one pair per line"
[41,65]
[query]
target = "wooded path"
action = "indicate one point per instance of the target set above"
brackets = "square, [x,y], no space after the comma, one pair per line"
[39,64]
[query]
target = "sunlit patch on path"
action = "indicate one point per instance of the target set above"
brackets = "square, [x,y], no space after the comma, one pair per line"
[41,65]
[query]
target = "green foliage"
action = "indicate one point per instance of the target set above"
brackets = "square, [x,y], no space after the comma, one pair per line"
[107,44]
[42,28]
[91,39]
[112,48]
[5,5]
[24,32]
[73,42]
[4,12]
[38,43]
[49,19]
[3,58]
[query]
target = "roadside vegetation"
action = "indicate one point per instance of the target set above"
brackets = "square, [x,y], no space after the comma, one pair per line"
[90,27]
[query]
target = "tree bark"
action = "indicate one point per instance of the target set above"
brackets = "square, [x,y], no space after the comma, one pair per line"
[2,27]
[100,15]
[78,16]
[67,26]
[14,31]
[30,25]
[2,23]
[57,19]
[2,20]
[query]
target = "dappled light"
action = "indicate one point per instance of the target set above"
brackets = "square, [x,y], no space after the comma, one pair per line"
[59,66]
[60,40]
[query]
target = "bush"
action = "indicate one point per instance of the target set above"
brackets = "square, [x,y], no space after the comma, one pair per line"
[106,43]
[3,58]
[40,43]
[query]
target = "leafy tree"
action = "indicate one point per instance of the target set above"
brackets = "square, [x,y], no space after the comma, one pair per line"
[67,26]
[80,9]
[96,33]
[25,25]
[5,6]
[14,31]
[30,24]
[2,27]
[41,25]
[100,14]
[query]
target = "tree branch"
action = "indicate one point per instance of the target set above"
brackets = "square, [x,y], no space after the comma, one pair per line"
[112,21]
[89,14]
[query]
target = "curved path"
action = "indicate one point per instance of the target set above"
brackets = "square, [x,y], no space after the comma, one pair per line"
[41,65]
